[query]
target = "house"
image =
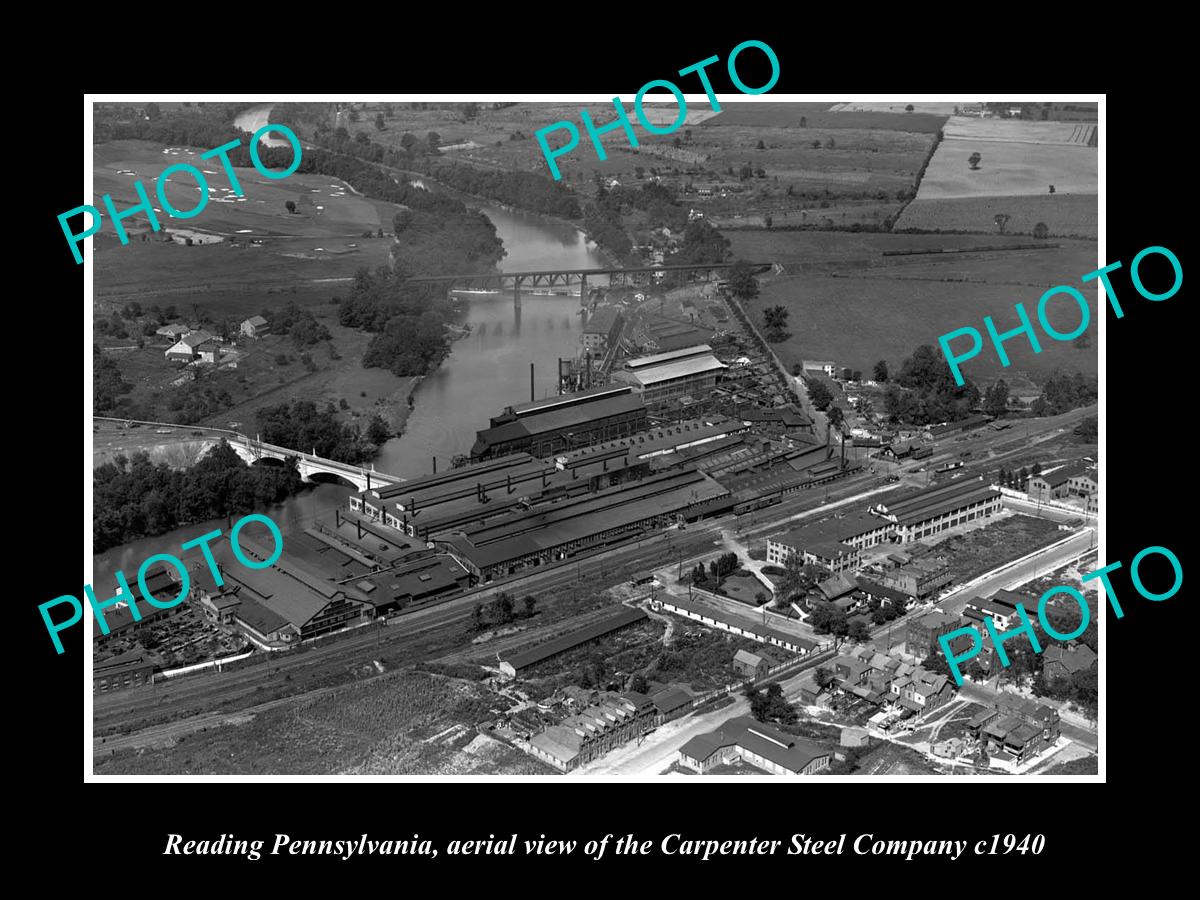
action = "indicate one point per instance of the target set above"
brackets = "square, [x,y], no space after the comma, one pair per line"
[839,587]
[824,366]
[672,702]
[919,578]
[1059,661]
[188,347]
[759,745]
[256,327]
[174,332]
[812,694]
[923,633]
[750,665]
[209,351]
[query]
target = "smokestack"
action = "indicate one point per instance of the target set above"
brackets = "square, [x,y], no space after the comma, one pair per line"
[435,465]
[843,450]
[531,397]
[359,524]
[337,518]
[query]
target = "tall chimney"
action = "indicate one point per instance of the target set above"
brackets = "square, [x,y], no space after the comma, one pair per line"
[531,397]
[337,518]
[435,465]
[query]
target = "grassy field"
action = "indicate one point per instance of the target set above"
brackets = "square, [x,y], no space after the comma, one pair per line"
[306,248]
[406,723]
[1020,161]
[1009,168]
[855,306]
[1074,215]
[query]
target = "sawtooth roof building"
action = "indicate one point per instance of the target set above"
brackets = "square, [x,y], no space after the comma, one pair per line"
[937,508]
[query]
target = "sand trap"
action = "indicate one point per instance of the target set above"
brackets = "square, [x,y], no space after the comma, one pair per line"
[245,231]
[320,207]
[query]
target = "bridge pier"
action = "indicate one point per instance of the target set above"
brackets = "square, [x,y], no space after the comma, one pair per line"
[517,292]
[583,297]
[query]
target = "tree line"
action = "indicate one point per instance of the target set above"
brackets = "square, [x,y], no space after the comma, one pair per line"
[134,497]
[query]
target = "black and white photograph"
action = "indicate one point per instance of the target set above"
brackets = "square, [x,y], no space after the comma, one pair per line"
[749,436]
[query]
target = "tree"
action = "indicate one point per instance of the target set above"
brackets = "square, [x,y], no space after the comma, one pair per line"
[804,121]
[798,578]
[881,371]
[996,400]
[504,606]
[767,221]
[152,112]
[858,631]
[908,108]
[377,430]
[1040,231]
[638,684]
[974,159]
[380,125]
[530,602]
[820,395]
[742,283]
[354,115]
[856,376]
[761,146]
[434,140]
[360,137]
[775,321]
[823,677]
[408,140]
[477,623]
[291,206]
[835,416]
[1002,221]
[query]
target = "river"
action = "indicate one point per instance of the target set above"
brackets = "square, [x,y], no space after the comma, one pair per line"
[485,372]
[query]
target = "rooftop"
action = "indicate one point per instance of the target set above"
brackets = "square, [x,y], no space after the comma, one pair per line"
[784,750]
[623,618]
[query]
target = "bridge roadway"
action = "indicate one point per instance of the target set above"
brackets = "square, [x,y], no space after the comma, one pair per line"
[551,277]
[254,450]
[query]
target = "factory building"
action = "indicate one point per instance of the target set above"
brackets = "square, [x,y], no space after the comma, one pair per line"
[834,543]
[690,371]
[545,427]
[937,508]
[474,494]
[526,537]
[612,720]
[603,329]
[285,602]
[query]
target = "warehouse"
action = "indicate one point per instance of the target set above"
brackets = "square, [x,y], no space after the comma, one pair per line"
[285,602]
[603,329]
[545,427]
[623,618]
[525,537]
[691,371]
[937,508]
[424,579]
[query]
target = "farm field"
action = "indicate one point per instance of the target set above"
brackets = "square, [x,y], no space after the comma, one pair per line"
[828,247]
[1016,130]
[825,115]
[860,309]
[1065,215]
[1008,169]
[405,723]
